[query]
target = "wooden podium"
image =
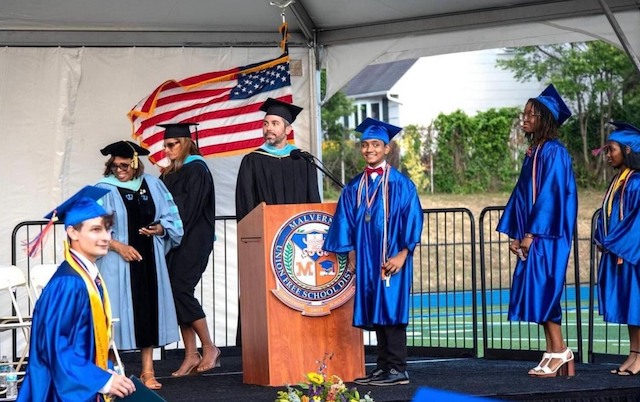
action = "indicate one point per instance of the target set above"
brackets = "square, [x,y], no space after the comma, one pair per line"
[279,343]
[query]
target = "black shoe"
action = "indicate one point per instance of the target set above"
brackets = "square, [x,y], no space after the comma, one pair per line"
[393,377]
[374,375]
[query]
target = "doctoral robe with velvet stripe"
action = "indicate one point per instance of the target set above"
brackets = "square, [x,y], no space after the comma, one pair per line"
[274,179]
[619,284]
[538,281]
[62,350]
[116,272]
[375,303]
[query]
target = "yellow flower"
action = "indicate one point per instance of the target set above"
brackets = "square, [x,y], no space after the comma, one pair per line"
[317,398]
[315,378]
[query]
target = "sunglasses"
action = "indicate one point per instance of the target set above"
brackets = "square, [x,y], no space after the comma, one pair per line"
[170,145]
[122,166]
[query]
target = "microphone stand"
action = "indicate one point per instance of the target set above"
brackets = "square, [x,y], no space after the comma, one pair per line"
[325,171]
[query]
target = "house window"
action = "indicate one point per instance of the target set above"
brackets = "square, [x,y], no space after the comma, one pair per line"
[375,111]
[363,112]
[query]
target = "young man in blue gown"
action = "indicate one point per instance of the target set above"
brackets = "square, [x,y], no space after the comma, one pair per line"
[378,222]
[71,327]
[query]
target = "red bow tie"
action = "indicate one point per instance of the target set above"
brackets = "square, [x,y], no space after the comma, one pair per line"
[377,170]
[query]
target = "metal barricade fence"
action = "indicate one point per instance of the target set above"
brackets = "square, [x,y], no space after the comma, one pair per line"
[443,318]
[503,339]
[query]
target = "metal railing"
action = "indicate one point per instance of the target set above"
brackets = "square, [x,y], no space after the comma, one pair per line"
[445,319]
[503,339]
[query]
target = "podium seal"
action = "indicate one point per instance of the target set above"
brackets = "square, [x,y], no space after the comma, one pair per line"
[309,279]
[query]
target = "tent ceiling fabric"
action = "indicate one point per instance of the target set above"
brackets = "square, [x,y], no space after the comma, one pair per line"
[223,23]
[347,35]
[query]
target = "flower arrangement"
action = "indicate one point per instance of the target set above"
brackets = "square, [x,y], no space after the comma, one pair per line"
[321,387]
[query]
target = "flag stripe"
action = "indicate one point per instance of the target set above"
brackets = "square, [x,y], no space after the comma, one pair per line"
[226,104]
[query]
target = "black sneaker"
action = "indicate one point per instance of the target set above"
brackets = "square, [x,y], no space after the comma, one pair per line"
[375,374]
[393,377]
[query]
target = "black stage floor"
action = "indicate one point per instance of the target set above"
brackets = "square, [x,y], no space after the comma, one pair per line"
[497,379]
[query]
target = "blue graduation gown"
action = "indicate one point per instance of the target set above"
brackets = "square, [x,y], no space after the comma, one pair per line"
[538,282]
[115,270]
[375,303]
[619,285]
[62,349]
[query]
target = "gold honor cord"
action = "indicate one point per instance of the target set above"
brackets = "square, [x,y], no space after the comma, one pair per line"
[100,311]
[607,203]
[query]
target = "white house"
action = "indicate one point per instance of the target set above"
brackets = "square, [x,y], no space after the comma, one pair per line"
[415,91]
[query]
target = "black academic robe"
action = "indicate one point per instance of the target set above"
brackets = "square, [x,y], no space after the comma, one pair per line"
[193,192]
[273,179]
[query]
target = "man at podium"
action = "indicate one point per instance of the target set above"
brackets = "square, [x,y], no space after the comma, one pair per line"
[269,174]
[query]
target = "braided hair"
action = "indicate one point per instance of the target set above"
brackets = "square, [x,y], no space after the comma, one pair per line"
[546,127]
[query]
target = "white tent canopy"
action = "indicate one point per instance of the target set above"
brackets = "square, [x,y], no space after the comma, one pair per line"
[72,69]
[371,30]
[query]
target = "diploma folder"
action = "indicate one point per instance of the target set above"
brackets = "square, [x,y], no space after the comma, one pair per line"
[142,394]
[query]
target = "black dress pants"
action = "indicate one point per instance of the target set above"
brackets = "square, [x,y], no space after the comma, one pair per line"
[392,347]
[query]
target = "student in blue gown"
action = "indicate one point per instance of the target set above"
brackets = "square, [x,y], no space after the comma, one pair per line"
[618,237]
[540,218]
[378,223]
[135,269]
[70,333]
[190,182]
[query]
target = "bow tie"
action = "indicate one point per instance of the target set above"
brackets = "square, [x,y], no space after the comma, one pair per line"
[377,170]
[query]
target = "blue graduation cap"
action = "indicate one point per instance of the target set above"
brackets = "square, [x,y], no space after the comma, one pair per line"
[80,206]
[373,129]
[553,101]
[626,134]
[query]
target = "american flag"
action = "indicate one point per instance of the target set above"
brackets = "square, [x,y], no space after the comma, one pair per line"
[224,103]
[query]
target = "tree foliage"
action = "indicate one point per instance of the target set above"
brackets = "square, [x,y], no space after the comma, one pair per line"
[479,153]
[600,83]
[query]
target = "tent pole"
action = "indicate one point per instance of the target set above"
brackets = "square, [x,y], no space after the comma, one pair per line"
[621,36]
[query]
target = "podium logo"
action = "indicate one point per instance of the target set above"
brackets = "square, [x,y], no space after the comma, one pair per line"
[309,279]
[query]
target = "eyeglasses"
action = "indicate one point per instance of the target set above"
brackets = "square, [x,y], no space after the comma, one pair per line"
[170,145]
[527,116]
[122,166]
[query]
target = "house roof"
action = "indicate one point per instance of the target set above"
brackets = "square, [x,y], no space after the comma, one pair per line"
[378,77]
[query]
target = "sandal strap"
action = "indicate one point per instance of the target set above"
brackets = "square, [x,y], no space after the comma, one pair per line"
[565,356]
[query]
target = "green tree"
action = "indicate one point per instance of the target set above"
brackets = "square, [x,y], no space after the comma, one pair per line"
[413,155]
[479,153]
[593,77]
[452,155]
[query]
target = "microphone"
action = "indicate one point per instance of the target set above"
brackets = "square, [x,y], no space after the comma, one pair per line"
[300,154]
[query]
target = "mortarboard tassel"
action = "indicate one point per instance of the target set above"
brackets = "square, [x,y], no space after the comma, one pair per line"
[34,247]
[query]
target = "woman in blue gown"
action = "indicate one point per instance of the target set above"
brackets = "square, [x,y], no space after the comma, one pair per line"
[618,240]
[135,269]
[540,219]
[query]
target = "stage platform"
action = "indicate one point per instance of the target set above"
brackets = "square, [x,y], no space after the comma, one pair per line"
[497,379]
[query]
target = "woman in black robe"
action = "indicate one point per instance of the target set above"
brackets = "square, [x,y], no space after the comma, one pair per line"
[190,182]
